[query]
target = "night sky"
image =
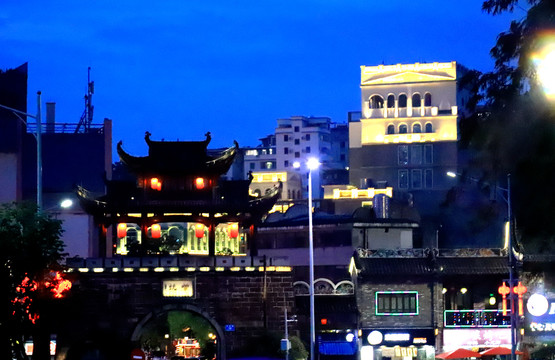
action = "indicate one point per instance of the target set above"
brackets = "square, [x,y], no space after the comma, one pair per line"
[180,68]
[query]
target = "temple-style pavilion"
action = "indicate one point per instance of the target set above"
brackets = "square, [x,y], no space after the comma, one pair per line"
[178,202]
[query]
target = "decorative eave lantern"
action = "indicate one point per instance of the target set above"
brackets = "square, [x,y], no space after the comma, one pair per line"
[155,184]
[233,230]
[122,230]
[199,230]
[155,231]
[199,183]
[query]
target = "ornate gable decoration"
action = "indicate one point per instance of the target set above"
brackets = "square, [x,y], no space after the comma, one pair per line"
[407,73]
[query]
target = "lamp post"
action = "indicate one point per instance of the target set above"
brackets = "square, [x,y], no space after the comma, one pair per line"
[38,137]
[312,164]
[511,262]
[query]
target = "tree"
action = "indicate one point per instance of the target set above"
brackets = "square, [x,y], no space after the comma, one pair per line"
[30,252]
[515,132]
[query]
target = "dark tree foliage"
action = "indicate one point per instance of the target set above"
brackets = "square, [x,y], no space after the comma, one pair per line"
[30,246]
[514,132]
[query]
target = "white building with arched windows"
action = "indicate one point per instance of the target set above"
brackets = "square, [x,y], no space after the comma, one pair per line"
[407,135]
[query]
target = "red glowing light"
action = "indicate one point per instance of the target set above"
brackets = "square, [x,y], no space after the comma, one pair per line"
[155,231]
[199,230]
[324,321]
[233,230]
[504,290]
[199,183]
[155,184]
[122,230]
[520,290]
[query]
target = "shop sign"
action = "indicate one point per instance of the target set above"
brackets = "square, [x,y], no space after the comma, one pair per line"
[177,288]
[398,337]
[399,351]
[540,315]
[457,338]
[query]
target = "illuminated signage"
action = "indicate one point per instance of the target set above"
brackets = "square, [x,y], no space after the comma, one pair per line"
[540,317]
[480,337]
[397,337]
[177,288]
[399,351]
[375,338]
[475,318]
[400,337]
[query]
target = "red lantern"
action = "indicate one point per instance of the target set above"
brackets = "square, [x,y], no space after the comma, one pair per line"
[504,290]
[155,184]
[122,230]
[323,321]
[199,183]
[233,230]
[155,231]
[199,230]
[520,290]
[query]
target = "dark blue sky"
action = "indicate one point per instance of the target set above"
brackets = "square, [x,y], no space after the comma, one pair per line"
[180,68]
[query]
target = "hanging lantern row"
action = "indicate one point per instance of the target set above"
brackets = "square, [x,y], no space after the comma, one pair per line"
[519,290]
[156,231]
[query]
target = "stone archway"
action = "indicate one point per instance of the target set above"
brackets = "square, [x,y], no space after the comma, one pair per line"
[220,352]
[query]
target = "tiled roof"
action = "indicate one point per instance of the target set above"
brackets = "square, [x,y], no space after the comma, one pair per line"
[427,266]
[473,266]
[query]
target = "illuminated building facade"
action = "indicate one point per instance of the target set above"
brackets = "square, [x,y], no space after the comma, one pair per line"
[407,133]
[177,204]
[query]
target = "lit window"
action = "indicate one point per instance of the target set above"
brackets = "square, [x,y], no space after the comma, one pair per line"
[397,303]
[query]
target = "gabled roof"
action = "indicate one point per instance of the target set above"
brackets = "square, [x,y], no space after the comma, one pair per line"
[179,158]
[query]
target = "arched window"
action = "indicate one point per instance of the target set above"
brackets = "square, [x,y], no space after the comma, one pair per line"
[416,100]
[402,101]
[402,129]
[391,101]
[390,129]
[376,102]
[429,128]
[416,128]
[428,99]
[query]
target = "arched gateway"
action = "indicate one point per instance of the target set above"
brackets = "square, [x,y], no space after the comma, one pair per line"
[220,338]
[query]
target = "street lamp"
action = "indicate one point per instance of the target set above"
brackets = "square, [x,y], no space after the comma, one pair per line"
[38,137]
[312,164]
[511,259]
[544,62]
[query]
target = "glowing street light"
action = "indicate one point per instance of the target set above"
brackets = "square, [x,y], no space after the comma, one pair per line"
[544,61]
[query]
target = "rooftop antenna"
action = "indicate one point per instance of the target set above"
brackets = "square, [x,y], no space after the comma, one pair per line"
[87,117]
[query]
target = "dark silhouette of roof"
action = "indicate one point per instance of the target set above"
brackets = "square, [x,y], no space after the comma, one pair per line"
[179,158]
